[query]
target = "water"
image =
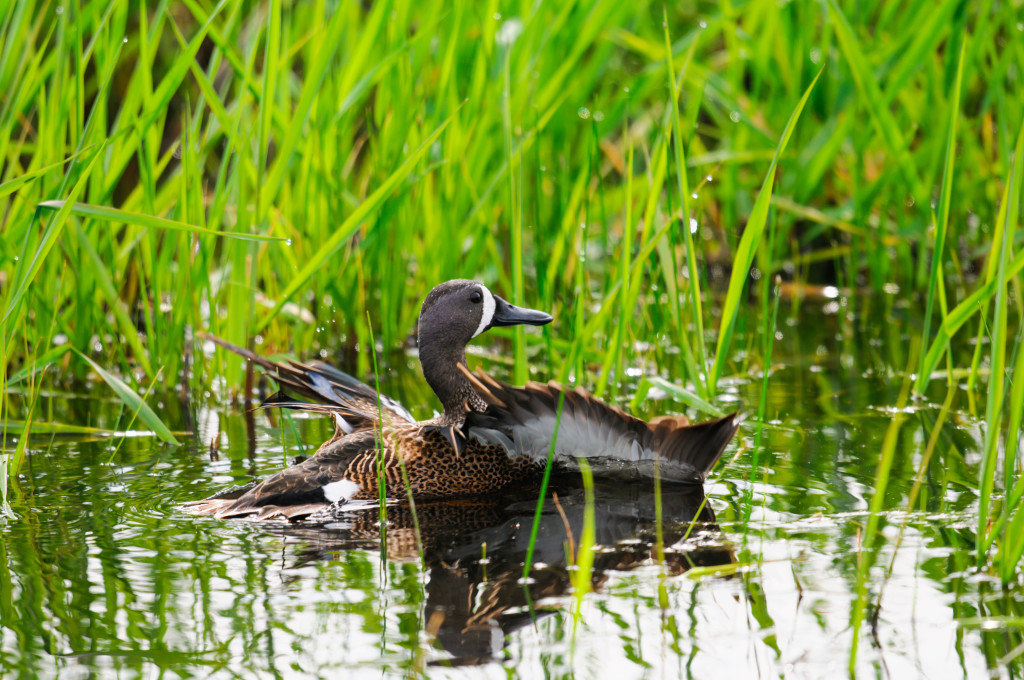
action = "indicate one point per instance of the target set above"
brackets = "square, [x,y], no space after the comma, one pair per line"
[101,574]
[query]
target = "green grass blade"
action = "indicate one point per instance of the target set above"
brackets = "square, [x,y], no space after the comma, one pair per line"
[118,216]
[744,255]
[1012,194]
[584,558]
[877,105]
[49,238]
[132,401]
[515,209]
[37,366]
[942,226]
[351,223]
[685,396]
[12,185]
[683,185]
[543,491]
[312,83]
[110,294]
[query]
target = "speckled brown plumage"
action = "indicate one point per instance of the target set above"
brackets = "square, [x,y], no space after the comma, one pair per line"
[432,467]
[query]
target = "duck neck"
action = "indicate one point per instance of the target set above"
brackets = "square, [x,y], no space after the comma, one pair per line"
[441,369]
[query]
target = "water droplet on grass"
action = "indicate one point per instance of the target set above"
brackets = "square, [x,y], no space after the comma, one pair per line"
[734,116]
[583,112]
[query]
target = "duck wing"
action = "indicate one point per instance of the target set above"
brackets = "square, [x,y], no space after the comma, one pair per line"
[300,490]
[352,402]
[523,420]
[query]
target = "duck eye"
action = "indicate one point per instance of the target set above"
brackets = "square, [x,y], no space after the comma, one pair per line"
[476,297]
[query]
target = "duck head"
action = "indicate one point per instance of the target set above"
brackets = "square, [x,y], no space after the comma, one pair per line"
[454,313]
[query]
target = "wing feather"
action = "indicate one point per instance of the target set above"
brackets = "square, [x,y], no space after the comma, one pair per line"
[589,428]
[332,390]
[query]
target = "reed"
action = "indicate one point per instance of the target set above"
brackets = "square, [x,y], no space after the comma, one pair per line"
[748,245]
[936,284]
[698,358]
[1000,527]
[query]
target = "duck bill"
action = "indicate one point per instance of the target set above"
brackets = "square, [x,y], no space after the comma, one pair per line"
[510,315]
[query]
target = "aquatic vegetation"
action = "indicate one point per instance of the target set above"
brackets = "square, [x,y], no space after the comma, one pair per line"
[810,208]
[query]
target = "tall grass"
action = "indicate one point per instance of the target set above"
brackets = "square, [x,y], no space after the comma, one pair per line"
[1006,529]
[280,170]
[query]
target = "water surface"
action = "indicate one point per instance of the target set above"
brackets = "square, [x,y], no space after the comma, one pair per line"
[101,574]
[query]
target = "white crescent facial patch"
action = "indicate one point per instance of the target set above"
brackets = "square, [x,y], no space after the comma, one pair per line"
[488,311]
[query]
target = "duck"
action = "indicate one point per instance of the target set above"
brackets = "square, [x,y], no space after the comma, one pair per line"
[488,436]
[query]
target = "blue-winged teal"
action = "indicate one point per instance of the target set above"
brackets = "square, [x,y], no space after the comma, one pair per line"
[489,436]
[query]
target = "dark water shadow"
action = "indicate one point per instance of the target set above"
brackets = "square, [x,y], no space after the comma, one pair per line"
[473,552]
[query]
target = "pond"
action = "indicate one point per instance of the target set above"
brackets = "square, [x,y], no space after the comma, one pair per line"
[102,574]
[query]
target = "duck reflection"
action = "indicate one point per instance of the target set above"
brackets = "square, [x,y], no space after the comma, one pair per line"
[474,551]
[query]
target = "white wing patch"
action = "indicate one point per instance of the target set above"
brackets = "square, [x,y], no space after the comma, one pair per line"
[610,451]
[578,437]
[342,424]
[488,311]
[395,407]
[342,489]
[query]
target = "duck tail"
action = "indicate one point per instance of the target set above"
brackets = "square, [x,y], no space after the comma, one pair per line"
[224,508]
[208,506]
[696,447]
